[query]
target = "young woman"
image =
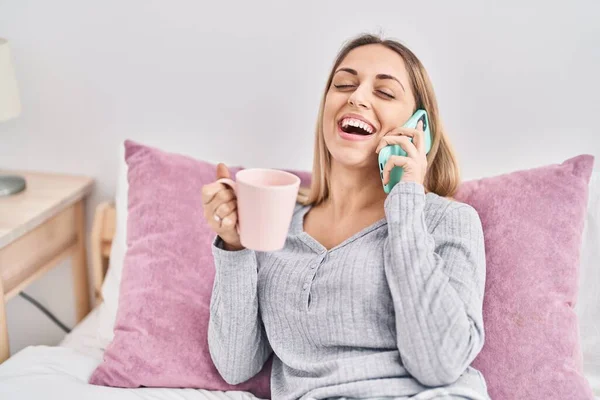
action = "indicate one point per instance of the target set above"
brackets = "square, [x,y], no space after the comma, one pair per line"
[374,295]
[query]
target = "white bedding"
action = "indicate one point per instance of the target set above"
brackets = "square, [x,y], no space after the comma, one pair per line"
[61,373]
[85,338]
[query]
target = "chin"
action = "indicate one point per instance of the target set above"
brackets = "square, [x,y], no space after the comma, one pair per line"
[352,157]
[350,153]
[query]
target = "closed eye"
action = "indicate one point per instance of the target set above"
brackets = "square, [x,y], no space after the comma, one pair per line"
[389,96]
[378,91]
[386,94]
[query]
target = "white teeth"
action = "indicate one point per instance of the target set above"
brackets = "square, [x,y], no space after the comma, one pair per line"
[357,123]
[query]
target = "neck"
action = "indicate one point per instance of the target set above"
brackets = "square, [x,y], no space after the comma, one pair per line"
[354,190]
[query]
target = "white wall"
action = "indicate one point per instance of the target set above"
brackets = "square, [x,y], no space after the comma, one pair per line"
[517,86]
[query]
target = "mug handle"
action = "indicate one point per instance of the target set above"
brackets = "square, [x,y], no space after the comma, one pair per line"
[233,185]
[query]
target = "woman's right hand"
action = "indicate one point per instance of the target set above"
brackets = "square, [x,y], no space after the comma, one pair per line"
[220,210]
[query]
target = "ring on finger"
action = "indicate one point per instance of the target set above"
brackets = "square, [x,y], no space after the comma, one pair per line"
[217,218]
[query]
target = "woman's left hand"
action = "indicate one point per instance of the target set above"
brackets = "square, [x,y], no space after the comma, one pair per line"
[415,163]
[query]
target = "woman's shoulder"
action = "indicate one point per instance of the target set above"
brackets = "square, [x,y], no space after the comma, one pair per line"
[297,222]
[449,202]
[444,207]
[436,200]
[299,206]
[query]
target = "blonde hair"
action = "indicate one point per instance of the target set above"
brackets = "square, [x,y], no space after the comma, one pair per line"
[443,174]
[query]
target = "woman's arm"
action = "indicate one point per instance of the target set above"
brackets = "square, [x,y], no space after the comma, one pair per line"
[437,283]
[237,341]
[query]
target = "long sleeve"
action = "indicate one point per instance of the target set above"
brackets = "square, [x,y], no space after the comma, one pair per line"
[236,337]
[437,283]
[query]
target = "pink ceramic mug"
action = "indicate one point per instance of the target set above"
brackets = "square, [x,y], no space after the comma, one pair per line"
[265,205]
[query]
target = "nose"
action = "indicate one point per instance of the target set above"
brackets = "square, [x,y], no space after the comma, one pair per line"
[358,99]
[353,104]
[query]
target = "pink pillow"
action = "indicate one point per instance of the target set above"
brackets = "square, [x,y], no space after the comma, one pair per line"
[533,224]
[162,320]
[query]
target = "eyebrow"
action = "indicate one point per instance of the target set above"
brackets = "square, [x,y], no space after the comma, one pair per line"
[378,76]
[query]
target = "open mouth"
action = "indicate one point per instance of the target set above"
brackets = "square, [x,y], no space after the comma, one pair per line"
[355,127]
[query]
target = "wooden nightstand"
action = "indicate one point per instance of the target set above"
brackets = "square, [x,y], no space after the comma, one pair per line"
[39,227]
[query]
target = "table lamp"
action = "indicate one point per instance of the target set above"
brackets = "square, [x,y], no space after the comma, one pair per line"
[10,107]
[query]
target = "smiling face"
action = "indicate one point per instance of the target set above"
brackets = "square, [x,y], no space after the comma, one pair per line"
[370,95]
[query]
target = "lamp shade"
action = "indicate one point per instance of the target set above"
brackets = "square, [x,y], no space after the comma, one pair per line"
[10,104]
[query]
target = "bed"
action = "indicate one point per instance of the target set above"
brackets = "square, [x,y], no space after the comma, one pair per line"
[62,371]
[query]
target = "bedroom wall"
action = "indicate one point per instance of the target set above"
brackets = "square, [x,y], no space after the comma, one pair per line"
[517,86]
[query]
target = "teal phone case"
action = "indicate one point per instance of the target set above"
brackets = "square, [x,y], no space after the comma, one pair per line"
[396,150]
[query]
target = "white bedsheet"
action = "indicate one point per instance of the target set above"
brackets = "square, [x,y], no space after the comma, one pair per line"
[62,372]
[85,338]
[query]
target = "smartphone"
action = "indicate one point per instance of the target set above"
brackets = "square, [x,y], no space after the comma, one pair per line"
[396,150]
